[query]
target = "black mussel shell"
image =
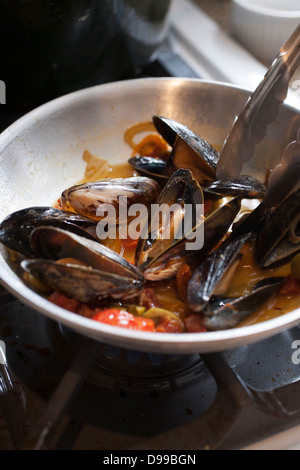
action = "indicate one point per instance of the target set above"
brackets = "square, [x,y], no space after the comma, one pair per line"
[16,228]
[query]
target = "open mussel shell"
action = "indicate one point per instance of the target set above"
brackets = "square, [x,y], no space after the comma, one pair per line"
[160,259]
[150,166]
[84,284]
[217,224]
[281,254]
[190,150]
[16,228]
[171,130]
[180,199]
[210,231]
[96,198]
[245,187]
[273,243]
[224,313]
[79,268]
[55,244]
[213,275]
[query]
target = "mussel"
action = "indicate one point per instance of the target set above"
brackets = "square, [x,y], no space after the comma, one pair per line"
[213,275]
[222,313]
[166,228]
[189,151]
[151,166]
[94,199]
[16,228]
[79,268]
[245,187]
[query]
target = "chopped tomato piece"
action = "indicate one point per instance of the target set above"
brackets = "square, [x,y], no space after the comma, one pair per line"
[63,301]
[207,206]
[130,243]
[148,298]
[290,286]
[169,325]
[183,277]
[85,311]
[194,323]
[124,319]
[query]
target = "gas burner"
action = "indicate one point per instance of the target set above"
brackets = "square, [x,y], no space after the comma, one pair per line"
[132,371]
[132,395]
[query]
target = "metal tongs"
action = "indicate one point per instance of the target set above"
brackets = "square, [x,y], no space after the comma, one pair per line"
[261,109]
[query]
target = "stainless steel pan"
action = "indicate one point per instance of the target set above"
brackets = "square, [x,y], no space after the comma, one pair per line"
[41,154]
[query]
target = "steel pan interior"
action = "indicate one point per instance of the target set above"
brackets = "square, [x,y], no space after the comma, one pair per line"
[41,154]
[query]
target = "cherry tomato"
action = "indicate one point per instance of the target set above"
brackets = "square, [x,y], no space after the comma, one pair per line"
[124,319]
